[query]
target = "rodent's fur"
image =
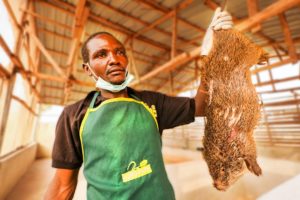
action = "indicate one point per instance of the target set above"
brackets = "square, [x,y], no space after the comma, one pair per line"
[233,108]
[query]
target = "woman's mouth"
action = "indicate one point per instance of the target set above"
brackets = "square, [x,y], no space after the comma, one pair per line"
[115,71]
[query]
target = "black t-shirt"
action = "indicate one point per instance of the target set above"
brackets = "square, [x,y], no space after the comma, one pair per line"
[171,112]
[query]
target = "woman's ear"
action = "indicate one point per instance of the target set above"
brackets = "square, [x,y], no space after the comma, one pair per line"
[86,69]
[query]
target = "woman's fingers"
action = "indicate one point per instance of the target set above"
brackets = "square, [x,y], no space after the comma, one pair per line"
[223,25]
[223,21]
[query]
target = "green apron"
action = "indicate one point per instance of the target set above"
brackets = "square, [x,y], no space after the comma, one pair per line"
[121,148]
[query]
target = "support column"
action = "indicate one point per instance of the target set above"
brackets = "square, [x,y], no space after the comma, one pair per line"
[6,106]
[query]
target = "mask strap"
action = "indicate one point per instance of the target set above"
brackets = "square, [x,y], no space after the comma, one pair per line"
[95,77]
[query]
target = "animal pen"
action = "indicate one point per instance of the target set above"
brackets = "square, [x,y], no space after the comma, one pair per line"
[41,71]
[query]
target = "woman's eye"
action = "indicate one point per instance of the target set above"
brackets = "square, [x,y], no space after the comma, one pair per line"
[121,52]
[101,54]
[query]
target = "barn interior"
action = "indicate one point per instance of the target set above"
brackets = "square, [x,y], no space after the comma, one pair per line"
[41,72]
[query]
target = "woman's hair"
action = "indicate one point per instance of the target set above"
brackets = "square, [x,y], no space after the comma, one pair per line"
[84,49]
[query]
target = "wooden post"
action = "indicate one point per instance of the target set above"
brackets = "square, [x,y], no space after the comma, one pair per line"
[252,10]
[296,95]
[288,38]
[174,35]
[133,63]
[257,75]
[173,48]
[197,68]
[268,127]
[5,112]
[271,76]
[277,52]
[26,45]
[81,16]
[171,79]
[4,73]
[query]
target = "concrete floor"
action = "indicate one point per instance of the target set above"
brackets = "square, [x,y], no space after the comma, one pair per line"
[187,172]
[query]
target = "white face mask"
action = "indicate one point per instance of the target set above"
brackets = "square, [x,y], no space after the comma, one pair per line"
[100,83]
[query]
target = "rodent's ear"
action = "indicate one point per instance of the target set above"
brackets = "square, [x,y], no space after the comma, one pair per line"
[263,58]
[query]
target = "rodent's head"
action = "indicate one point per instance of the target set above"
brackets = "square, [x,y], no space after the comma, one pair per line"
[225,171]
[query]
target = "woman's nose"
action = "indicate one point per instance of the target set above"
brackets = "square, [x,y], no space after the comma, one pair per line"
[112,57]
[113,60]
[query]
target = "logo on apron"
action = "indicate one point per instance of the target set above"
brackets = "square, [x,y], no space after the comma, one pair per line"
[153,110]
[136,171]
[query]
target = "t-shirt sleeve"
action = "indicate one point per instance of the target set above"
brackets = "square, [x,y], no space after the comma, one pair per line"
[66,151]
[175,111]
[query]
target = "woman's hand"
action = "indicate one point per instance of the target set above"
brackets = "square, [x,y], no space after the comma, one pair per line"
[222,20]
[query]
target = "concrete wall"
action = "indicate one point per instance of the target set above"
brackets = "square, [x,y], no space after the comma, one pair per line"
[14,166]
[45,135]
[45,131]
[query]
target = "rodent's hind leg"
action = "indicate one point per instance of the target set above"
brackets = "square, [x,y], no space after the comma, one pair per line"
[253,166]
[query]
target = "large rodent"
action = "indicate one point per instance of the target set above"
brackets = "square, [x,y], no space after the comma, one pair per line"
[233,108]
